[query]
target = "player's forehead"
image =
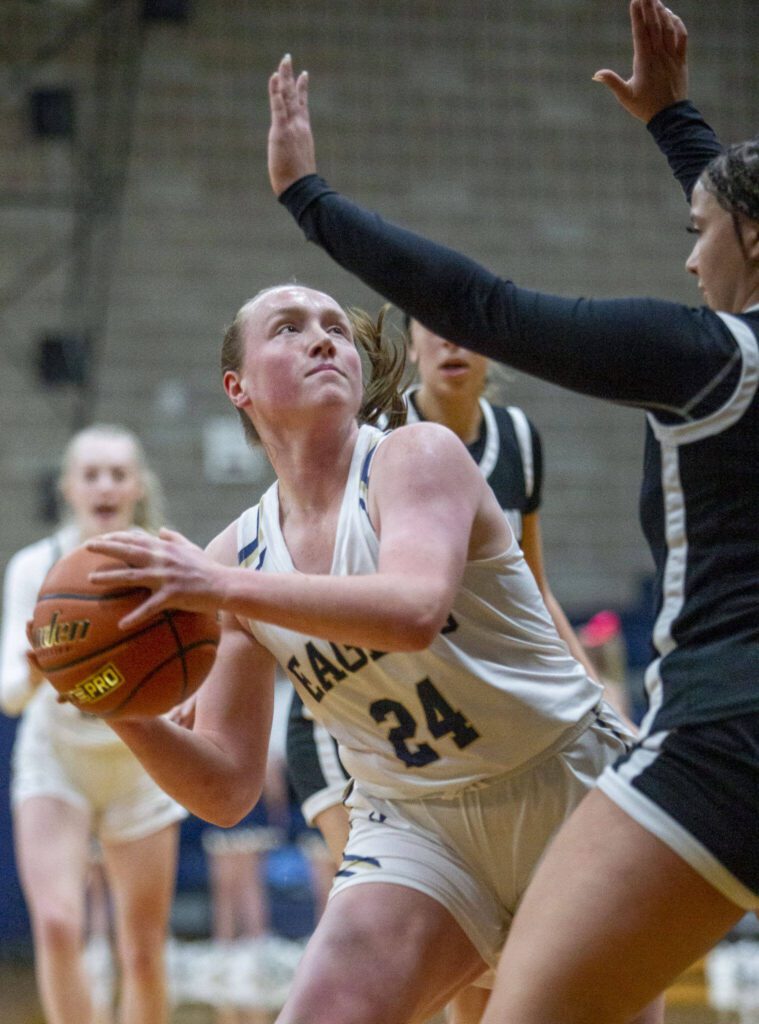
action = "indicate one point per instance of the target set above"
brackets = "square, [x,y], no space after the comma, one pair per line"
[295,298]
[703,203]
[100,451]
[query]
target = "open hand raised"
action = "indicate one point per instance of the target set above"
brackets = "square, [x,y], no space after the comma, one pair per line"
[660,69]
[291,143]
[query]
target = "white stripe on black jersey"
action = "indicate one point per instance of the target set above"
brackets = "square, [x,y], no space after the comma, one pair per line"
[702,544]
[509,455]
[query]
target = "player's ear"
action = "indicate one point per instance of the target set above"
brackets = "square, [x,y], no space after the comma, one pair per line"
[235,389]
[751,239]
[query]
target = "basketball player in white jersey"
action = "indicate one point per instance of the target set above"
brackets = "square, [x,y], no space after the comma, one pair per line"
[396,599]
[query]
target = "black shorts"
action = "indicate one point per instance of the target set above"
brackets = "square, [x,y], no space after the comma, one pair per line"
[313,763]
[697,789]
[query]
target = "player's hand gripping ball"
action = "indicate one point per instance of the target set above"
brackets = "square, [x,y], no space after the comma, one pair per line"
[107,671]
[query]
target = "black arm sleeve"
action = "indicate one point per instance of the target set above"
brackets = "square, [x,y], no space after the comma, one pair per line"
[686,140]
[658,355]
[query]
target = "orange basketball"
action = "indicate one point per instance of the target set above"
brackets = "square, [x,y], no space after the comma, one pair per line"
[107,671]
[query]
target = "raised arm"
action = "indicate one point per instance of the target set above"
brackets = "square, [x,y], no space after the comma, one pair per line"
[291,141]
[659,70]
[657,91]
[654,354]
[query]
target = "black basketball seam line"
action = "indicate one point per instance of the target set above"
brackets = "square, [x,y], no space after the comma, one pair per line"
[113,595]
[118,643]
[104,650]
[178,640]
[157,668]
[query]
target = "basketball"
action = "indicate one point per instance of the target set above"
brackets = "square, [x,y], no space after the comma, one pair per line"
[107,671]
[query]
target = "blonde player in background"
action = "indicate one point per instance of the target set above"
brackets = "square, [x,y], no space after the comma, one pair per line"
[73,779]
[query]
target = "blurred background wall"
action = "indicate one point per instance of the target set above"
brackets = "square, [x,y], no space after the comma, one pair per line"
[136,217]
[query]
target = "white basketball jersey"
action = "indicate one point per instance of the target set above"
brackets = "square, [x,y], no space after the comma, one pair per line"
[495,690]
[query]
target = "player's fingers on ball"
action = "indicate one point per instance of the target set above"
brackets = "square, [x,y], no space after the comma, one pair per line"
[33,661]
[113,547]
[166,534]
[132,574]
[141,614]
[107,575]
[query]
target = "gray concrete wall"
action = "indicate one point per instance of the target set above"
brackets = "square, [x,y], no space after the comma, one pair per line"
[476,123]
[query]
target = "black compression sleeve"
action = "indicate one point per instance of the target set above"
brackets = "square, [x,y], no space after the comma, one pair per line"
[686,140]
[641,351]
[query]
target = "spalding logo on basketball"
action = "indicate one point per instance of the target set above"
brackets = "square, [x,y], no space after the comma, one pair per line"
[107,671]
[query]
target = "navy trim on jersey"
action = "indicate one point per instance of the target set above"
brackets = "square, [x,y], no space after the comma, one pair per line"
[245,556]
[355,862]
[363,487]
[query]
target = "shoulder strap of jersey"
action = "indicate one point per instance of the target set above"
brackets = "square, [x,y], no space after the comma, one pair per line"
[366,466]
[251,550]
[524,440]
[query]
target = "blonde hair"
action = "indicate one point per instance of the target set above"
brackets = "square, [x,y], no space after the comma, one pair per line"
[383,359]
[149,512]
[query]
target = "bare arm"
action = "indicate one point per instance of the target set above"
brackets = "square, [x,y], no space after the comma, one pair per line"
[660,69]
[19,677]
[427,522]
[216,770]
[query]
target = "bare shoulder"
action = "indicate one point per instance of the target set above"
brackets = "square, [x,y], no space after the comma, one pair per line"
[223,547]
[421,442]
[425,458]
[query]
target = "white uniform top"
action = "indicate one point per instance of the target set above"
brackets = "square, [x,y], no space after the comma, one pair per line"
[496,689]
[23,577]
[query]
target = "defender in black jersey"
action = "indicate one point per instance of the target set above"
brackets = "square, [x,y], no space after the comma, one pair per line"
[661,860]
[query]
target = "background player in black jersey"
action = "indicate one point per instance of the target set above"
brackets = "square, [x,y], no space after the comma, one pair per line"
[660,860]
